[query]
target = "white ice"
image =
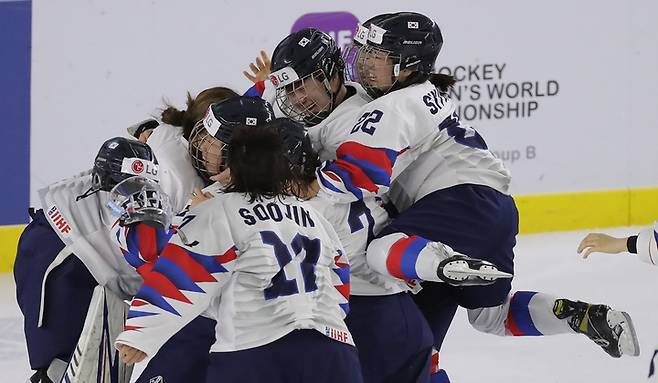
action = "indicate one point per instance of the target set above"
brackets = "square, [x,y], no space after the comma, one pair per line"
[544,262]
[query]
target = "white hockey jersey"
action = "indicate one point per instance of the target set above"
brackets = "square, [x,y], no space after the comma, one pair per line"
[647,244]
[275,265]
[177,175]
[406,145]
[334,130]
[85,226]
[356,224]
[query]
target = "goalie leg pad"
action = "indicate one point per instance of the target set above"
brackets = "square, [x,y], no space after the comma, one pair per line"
[95,359]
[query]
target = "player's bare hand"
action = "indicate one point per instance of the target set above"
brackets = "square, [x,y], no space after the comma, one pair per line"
[260,70]
[144,136]
[223,178]
[130,355]
[601,243]
[199,196]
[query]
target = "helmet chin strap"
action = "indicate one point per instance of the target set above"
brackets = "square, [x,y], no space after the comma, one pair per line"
[330,92]
[90,191]
[395,74]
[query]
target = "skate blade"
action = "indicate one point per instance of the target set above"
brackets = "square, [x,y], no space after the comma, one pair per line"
[628,341]
[461,271]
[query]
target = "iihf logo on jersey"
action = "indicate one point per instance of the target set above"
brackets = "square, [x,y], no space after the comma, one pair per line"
[59,221]
[336,334]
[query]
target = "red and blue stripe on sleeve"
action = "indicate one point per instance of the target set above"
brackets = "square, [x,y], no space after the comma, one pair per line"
[519,321]
[358,168]
[342,270]
[143,245]
[403,256]
[179,270]
[256,90]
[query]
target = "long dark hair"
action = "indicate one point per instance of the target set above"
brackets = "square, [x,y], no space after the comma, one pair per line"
[442,81]
[259,164]
[196,108]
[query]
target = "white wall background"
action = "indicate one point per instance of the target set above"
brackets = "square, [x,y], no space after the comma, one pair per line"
[100,66]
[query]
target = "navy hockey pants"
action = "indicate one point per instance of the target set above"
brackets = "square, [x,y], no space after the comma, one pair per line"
[185,356]
[474,220]
[299,357]
[393,338]
[69,290]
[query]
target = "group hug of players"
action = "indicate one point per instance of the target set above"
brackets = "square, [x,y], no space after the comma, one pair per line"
[323,227]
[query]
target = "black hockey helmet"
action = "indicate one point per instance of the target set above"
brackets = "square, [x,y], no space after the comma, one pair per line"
[120,158]
[406,40]
[308,54]
[211,135]
[294,137]
[298,146]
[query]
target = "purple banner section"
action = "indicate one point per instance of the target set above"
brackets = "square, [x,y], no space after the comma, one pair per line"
[339,25]
[15,55]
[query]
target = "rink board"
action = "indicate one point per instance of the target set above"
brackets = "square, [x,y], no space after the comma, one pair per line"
[538,213]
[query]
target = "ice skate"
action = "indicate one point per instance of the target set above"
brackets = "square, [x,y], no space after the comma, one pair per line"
[460,270]
[611,329]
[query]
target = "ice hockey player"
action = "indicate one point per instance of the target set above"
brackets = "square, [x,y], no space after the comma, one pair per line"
[409,145]
[276,265]
[67,250]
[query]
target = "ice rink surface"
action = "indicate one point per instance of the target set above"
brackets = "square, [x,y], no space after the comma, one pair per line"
[544,262]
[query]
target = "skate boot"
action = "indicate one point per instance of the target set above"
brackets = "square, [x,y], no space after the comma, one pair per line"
[53,373]
[40,376]
[460,270]
[611,329]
